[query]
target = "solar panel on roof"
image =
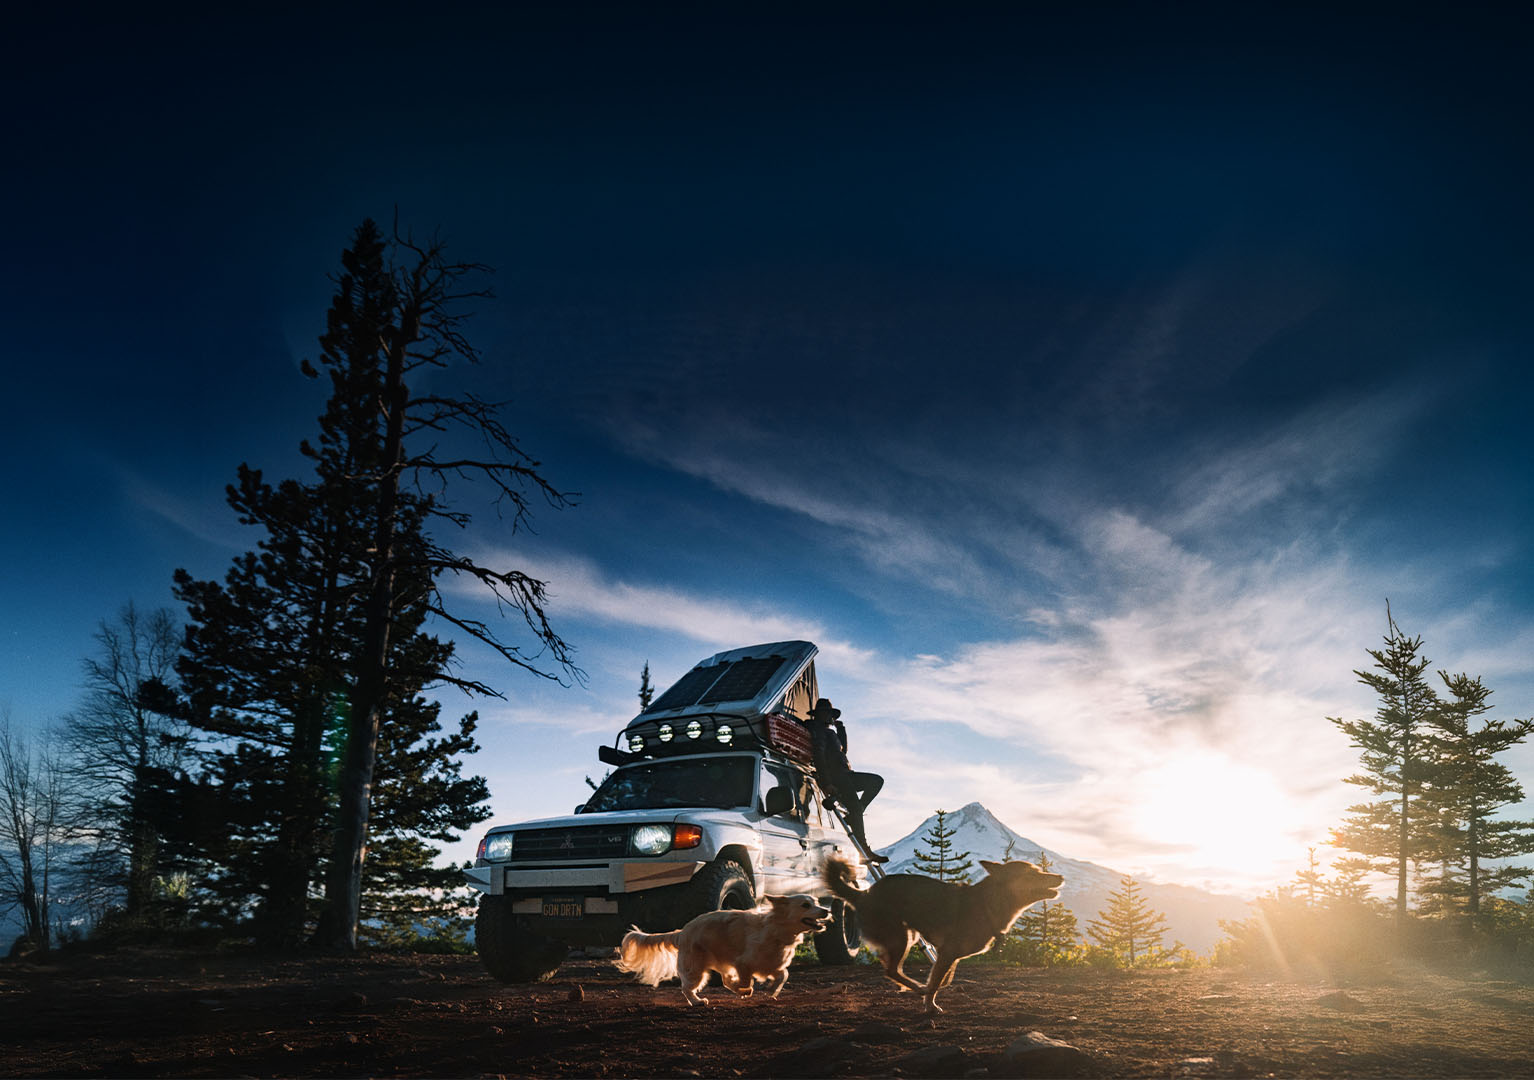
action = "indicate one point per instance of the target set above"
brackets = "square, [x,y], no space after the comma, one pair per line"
[688,689]
[743,681]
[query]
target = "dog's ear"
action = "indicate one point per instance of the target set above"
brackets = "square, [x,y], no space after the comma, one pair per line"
[779,902]
[991,867]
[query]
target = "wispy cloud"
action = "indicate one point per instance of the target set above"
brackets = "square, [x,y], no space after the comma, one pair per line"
[573,720]
[1227,479]
[578,588]
[203,516]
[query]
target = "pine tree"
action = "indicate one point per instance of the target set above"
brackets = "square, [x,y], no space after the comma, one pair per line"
[1311,881]
[1347,886]
[309,649]
[396,321]
[1128,925]
[646,691]
[1047,932]
[940,860]
[1468,786]
[1394,754]
[266,672]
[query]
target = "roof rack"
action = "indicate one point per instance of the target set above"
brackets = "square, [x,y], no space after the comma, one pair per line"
[709,732]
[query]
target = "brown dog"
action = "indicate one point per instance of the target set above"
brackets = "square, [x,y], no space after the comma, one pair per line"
[741,945]
[957,920]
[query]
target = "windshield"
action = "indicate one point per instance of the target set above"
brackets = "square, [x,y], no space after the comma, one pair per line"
[721,782]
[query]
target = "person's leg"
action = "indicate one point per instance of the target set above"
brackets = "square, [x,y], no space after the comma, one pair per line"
[852,814]
[867,785]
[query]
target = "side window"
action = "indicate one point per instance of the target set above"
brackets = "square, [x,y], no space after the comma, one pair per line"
[789,780]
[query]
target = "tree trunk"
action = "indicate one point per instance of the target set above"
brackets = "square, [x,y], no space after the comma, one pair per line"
[143,837]
[293,860]
[144,844]
[343,888]
[33,920]
[1474,900]
[1401,862]
[304,787]
[1405,837]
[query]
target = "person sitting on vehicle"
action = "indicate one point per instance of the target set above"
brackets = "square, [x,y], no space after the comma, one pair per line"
[853,791]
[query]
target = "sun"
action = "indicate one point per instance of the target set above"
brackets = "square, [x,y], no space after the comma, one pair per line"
[1220,813]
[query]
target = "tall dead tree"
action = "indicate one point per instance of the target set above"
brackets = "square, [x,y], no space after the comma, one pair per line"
[397,317]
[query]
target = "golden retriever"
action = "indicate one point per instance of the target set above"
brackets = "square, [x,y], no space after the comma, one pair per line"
[956,920]
[742,946]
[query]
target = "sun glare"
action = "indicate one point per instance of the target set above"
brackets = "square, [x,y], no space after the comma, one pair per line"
[1229,815]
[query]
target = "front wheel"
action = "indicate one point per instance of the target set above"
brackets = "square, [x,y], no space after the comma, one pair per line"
[512,953]
[838,943]
[723,885]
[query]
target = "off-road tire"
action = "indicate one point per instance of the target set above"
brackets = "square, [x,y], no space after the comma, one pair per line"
[838,943]
[512,953]
[723,885]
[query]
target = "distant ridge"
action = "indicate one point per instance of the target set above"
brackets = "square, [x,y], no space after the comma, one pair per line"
[1193,914]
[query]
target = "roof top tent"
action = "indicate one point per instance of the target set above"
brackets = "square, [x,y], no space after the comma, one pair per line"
[728,696]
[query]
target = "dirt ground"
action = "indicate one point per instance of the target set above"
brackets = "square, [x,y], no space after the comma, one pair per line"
[158,1014]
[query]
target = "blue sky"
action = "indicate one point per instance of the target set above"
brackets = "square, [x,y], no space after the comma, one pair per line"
[1082,384]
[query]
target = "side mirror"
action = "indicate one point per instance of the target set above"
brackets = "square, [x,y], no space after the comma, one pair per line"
[777,801]
[580,808]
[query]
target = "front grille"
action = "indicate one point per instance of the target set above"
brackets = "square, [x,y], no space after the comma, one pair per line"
[585,842]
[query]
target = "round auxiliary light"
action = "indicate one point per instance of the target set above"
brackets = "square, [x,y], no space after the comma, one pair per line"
[724,734]
[636,743]
[665,733]
[695,730]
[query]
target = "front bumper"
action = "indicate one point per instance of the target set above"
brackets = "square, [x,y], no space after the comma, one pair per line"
[614,878]
[582,915]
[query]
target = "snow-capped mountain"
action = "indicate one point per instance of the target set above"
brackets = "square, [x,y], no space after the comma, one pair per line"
[1193,915]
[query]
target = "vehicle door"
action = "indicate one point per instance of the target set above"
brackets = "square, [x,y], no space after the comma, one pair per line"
[824,833]
[788,864]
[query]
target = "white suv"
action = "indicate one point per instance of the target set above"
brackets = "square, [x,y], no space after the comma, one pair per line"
[712,804]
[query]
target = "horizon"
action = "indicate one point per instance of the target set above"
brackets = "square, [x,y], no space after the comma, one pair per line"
[1084,389]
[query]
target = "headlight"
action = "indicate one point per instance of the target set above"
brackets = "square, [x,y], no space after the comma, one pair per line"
[497,847]
[651,839]
[694,730]
[636,743]
[724,734]
[665,733]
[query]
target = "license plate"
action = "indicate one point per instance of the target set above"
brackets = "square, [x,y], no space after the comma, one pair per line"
[563,907]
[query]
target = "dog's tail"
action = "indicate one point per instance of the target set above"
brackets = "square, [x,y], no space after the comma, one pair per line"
[841,878]
[651,957]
